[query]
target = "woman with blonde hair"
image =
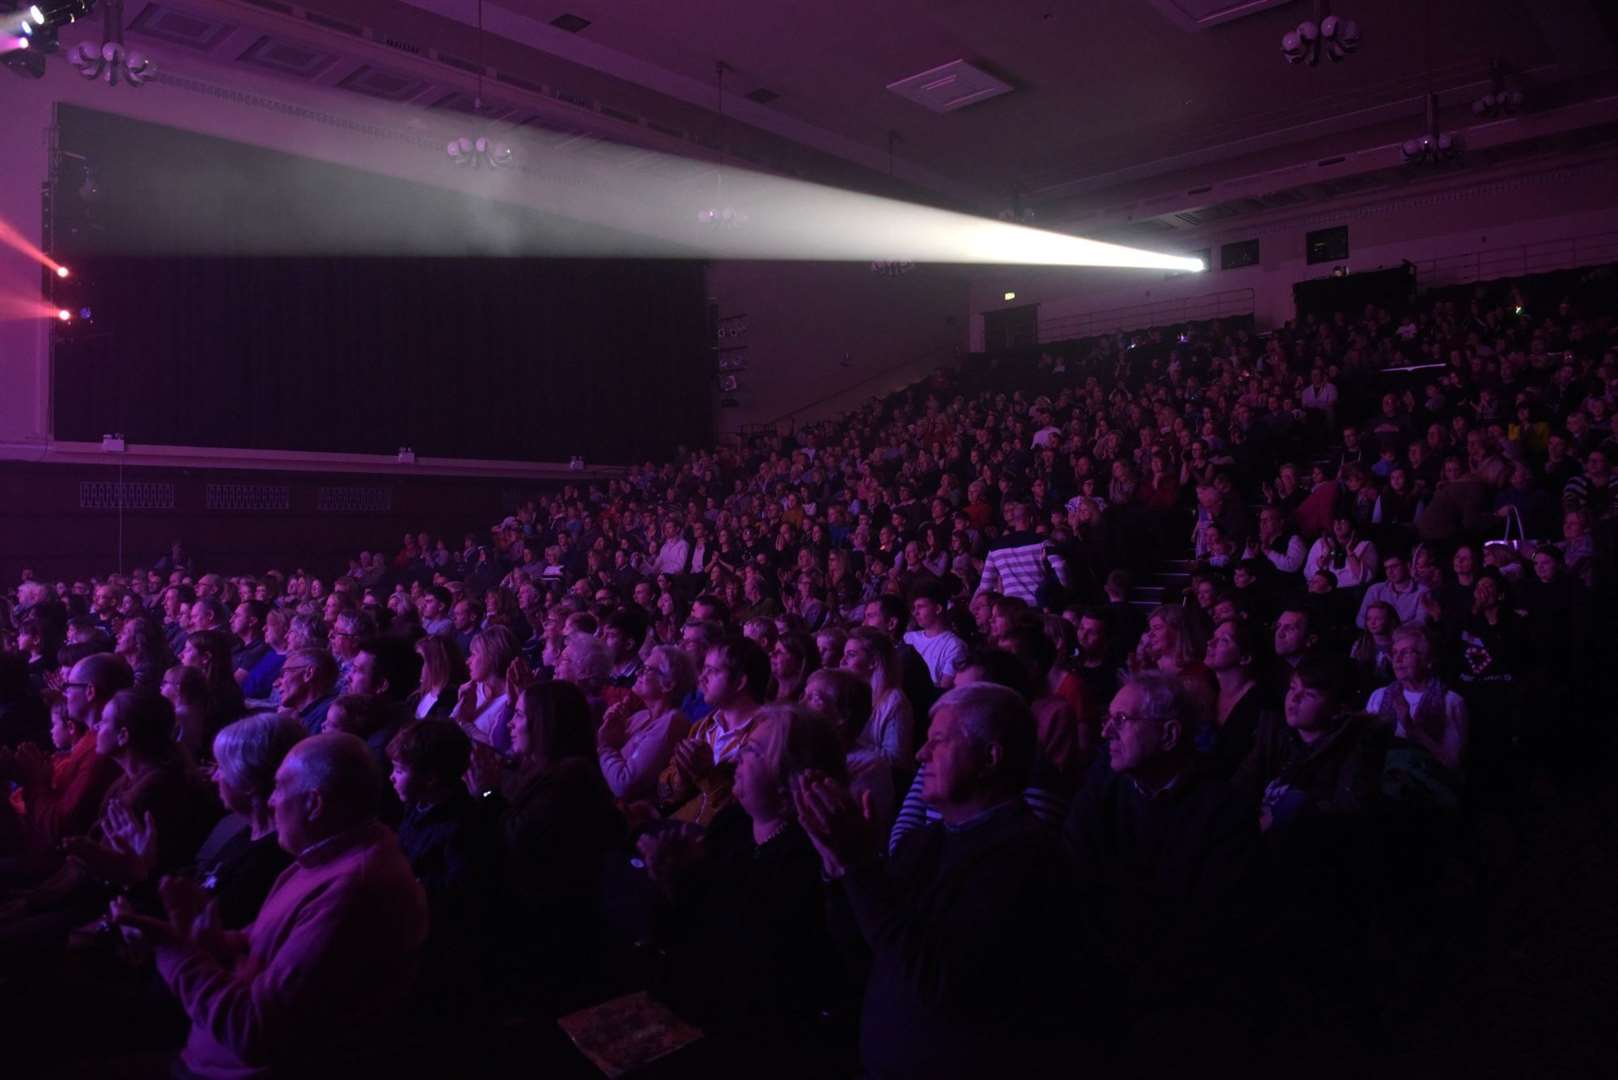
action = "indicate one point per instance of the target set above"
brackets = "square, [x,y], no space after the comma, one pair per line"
[844,699]
[482,702]
[889,734]
[1175,643]
[1373,651]
[442,671]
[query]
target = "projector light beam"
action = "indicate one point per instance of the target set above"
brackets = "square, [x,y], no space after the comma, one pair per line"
[648,205]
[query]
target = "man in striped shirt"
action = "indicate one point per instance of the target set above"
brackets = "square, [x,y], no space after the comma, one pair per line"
[1592,490]
[1020,570]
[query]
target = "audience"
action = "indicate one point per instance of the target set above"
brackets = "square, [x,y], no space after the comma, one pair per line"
[313,987]
[1226,676]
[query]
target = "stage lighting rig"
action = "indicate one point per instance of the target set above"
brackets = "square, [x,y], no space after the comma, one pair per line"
[71,295]
[58,12]
[1326,33]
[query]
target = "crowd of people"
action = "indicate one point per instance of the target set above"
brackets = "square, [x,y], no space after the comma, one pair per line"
[1134,702]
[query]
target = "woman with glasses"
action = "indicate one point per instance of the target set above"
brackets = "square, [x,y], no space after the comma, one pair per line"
[634,747]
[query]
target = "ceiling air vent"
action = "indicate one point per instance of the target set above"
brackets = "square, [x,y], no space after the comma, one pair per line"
[330,23]
[379,83]
[288,57]
[955,85]
[571,23]
[519,82]
[457,63]
[180,27]
[1201,14]
[762,96]
[462,102]
[402,46]
[573,99]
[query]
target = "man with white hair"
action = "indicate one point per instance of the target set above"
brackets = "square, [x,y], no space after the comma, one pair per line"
[963,907]
[1164,852]
[314,986]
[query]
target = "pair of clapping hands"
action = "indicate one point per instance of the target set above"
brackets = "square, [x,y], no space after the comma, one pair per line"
[838,826]
[126,854]
[190,918]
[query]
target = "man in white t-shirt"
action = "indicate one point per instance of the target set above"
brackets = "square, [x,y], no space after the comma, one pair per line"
[1320,395]
[941,650]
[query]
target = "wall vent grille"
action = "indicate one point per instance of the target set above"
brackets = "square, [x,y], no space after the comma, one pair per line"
[251,497]
[355,500]
[127,495]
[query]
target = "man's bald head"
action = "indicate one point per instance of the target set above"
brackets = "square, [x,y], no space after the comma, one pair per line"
[92,683]
[326,785]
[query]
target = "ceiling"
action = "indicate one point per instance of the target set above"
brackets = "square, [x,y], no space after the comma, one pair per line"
[1109,96]
[1100,85]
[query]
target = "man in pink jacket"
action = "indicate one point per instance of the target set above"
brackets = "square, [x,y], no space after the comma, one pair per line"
[308,988]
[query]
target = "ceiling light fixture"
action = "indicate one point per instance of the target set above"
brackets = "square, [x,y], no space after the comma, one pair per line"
[1018,213]
[479,151]
[720,214]
[1326,33]
[892,267]
[1504,97]
[1432,147]
[111,60]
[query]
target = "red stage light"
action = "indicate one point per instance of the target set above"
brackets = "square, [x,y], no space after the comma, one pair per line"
[61,271]
[64,314]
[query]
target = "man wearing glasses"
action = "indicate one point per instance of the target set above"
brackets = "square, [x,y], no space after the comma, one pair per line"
[1163,851]
[65,799]
[307,686]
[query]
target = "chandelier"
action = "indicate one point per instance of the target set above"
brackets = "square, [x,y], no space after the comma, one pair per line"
[720,214]
[1503,98]
[111,60]
[722,217]
[479,151]
[1324,33]
[1434,147]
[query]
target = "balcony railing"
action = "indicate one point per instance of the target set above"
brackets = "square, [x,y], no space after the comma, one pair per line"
[1540,257]
[1215,305]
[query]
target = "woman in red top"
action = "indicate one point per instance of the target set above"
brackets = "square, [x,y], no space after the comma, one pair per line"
[1160,490]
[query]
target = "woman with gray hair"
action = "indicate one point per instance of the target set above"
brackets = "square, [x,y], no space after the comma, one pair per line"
[634,747]
[586,662]
[240,860]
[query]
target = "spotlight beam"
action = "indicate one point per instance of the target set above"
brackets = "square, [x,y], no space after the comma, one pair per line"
[655,206]
[12,238]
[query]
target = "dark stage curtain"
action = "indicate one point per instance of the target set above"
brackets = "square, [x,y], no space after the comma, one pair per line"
[228,312]
[497,358]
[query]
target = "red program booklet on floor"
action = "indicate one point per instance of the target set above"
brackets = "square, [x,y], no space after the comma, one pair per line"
[627,1033]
